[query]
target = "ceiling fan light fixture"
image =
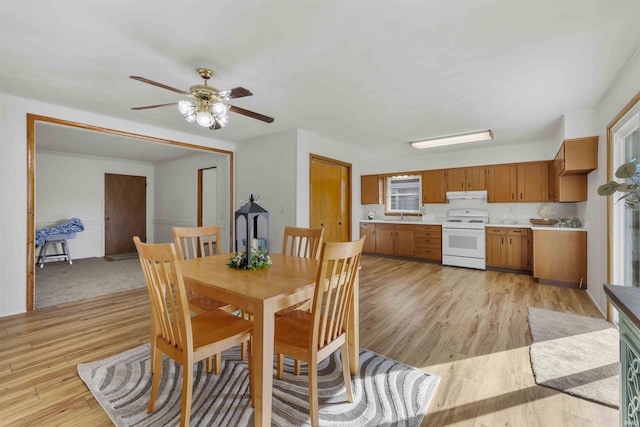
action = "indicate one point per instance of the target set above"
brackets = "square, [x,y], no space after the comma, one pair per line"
[191,117]
[205,119]
[222,120]
[218,109]
[186,107]
[452,139]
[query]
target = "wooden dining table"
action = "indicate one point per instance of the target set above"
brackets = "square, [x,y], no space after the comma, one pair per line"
[288,281]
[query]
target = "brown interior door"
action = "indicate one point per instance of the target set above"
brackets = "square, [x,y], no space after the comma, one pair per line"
[125,212]
[330,198]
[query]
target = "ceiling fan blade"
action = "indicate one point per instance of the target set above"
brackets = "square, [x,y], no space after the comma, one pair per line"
[151,82]
[236,92]
[250,114]
[153,106]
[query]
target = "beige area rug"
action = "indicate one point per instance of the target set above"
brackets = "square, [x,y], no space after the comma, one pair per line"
[386,392]
[59,282]
[575,354]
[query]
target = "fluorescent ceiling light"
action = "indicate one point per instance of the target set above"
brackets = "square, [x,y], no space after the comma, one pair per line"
[453,139]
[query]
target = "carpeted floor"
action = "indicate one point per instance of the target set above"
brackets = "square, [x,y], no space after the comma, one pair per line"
[575,354]
[386,392]
[59,282]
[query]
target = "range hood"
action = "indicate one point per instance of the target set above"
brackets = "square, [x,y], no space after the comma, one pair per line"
[467,195]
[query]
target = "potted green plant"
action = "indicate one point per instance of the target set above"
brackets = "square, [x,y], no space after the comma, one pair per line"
[630,186]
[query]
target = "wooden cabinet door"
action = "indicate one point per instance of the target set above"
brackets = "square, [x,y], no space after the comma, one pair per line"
[455,179]
[560,255]
[475,178]
[370,193]
[496,248]
[434,186]
[368,230]
[501,186]
[385,237]
[405,241]
[533,182]
[518,255]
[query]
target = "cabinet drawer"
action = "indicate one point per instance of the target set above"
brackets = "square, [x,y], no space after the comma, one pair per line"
[429,253]
[496,230]
[367,225]
[404,227]
[428,228]
[428,243]
[518,231]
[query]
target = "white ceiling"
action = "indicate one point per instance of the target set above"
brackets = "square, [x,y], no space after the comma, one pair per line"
[370,73]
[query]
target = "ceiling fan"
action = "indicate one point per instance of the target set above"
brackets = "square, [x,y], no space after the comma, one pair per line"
[206,105]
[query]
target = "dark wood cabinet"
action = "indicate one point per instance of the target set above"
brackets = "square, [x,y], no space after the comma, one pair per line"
[371,190]
[434,186]
[466,179]
[369,230]
[508,247]
[502,183]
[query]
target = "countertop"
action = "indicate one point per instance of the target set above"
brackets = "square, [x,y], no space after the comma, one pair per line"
[626,299]
[505,223]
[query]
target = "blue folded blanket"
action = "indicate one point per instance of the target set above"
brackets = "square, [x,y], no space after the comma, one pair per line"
[71,226]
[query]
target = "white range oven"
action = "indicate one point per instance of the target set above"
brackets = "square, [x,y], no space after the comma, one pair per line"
[463,238]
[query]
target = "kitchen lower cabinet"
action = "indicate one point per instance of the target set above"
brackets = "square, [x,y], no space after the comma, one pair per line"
[428,242]
[405,240]
[508,247]
[560,255]
[369,230]
[395,239]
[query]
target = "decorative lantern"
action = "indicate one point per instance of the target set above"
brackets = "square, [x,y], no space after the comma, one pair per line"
[252,229]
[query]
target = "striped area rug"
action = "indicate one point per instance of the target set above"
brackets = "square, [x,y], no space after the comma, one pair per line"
[386,392]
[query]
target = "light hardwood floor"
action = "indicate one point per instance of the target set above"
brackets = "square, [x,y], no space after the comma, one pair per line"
[468,326]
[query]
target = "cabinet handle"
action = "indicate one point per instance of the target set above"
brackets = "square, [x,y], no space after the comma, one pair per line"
[513,196]
[373,232]
[520,196]
[510,241]
[502,240]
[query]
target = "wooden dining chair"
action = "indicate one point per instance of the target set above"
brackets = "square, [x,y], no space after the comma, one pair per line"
[183,338]
[313,336]
[304,243]
[194,242]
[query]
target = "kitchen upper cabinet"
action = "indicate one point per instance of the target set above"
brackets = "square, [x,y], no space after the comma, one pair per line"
[502,183]
[371,192]
[518,182]
[578,155]
[467,179]
[533,182]
[434,186]
[574,160]
[508,247]
[368,230]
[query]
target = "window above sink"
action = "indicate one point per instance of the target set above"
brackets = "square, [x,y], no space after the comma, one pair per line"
[403,194]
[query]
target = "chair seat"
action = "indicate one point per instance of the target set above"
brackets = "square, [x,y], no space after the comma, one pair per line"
[292,329]
[227,325]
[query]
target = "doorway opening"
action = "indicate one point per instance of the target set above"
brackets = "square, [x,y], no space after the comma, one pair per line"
[34,121]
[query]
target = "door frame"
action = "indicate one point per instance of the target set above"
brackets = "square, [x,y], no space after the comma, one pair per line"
[610,200]
[349,189]
[32,119]
[200,189]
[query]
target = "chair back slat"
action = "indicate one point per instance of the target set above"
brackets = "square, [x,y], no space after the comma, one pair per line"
[339,263]
[169,306]
[302,242]
[194,242]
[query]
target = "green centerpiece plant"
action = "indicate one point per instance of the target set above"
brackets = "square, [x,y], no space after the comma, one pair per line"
[259,259]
